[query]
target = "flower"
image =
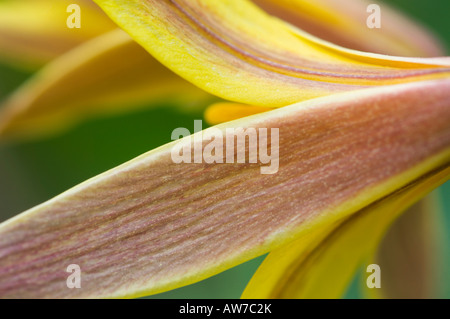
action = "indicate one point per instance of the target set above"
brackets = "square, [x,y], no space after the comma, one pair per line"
[362,137]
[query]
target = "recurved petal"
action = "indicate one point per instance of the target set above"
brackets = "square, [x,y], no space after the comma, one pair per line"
[344,22]
[107,74]
[235,50]
[323,262]
[152,225]
[33,32]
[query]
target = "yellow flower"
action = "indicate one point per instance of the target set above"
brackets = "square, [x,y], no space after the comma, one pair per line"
[362,137]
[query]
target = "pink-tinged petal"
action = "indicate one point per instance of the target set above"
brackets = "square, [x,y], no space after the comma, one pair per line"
[151,225]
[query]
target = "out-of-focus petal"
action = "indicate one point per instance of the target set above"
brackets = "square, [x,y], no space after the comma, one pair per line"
[235,50]
[344,22]
[409,254]
[151,225]
[32,32]
[107,74]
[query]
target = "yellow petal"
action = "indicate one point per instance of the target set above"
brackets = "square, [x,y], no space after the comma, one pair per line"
[235,50]
[152,225]
[226,111]
[92,79]
[344,22]
[33,32]
[321,264]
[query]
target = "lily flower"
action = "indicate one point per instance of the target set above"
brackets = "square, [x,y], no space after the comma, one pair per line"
[362,137]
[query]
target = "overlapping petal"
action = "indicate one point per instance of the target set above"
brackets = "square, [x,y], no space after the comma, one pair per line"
[322,264]
[49,101]
[235,50]
[152,225]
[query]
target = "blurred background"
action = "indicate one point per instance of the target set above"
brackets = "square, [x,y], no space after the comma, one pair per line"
[32,172]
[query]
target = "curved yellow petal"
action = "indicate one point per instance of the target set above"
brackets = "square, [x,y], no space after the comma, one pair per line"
[32,32]
[344,22]
[92,79]
[152,225]
[235,50]
[321,264]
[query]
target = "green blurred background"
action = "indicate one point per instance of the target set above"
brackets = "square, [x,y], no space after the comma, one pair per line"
[33,172]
